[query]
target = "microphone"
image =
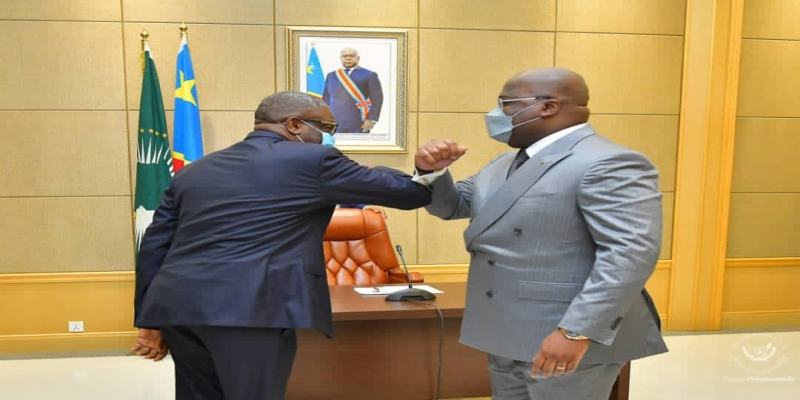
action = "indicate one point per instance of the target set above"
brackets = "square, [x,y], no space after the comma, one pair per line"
[410,293]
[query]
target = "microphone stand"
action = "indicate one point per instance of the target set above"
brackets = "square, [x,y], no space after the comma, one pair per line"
[411,293]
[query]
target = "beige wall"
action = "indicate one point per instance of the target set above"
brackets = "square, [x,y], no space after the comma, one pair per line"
[764,221]
[69,107]
[71,91]
[765,209]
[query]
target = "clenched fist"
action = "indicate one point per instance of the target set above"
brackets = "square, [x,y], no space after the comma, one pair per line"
[438,154]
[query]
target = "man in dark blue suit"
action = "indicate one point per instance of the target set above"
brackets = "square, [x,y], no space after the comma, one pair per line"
[233,262]
[354,94]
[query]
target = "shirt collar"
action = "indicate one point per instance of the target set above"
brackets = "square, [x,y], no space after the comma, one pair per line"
[546,141]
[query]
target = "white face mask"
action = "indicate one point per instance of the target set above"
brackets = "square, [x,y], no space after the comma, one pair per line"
[499,126]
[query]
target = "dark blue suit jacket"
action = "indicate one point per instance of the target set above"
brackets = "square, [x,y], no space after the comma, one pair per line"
[343,106]
[237,238]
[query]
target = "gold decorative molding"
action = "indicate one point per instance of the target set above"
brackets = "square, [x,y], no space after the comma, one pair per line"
[748,319]
[128,276]
[441,269]
[705,162]
[37,326]
[57,343]
[67,277]
[762,262]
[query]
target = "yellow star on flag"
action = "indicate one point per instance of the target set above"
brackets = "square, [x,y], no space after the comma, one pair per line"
[184,92]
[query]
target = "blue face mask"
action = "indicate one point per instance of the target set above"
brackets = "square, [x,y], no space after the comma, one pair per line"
[328,139]
[499,126]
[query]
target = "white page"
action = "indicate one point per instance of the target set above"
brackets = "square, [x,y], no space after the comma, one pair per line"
[384,290]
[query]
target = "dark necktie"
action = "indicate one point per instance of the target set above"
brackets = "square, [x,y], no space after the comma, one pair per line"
[522,156]
[347,70]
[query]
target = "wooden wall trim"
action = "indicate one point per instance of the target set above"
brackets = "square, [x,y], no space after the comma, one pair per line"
[108,328]
[762,262]
[67,277]
[128,276]
[747,319]
[464,268]
[732,39]
[705,162]
[64,343]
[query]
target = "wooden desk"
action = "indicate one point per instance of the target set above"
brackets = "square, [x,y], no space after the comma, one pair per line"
[390,351]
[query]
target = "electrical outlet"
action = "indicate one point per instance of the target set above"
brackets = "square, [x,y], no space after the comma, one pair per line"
[75,326]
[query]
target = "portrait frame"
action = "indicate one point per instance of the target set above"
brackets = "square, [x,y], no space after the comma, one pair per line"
[382,52]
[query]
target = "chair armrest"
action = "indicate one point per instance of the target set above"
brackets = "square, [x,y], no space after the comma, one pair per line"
[397,275]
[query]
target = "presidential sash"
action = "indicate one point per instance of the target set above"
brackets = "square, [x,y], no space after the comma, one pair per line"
[362,102]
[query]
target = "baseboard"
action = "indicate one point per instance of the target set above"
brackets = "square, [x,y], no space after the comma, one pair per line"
[36,307]
[755,319]
[63,343]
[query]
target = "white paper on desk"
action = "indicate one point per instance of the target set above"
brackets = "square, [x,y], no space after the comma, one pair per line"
[384,290]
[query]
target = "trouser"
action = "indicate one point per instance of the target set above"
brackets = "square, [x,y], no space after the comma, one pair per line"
[229,363]
[511,380]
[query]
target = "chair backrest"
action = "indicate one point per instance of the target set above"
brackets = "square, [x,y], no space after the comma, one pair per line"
[358,250]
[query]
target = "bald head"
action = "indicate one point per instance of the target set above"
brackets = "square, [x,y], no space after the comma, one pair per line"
[553,99]
[565,85]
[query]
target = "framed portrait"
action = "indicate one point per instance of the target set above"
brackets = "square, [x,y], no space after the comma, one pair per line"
[361,74]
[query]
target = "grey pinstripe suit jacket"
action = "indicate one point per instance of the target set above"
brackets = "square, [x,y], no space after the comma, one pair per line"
[569,240]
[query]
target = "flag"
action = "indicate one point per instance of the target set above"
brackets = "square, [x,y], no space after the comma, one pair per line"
[153,161]
[188,136]
[315,80]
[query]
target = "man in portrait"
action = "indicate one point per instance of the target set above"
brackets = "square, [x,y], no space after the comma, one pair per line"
[354,94]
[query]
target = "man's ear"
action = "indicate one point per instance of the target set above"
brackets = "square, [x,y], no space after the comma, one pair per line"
[293,125]
[551,107]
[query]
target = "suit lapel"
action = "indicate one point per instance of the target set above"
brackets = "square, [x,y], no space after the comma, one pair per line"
[497,169]
[526,176]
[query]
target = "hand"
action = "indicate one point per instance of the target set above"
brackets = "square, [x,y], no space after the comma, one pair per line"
[558,351]
[150,345]
[438,154]
[377,211]
[367,125]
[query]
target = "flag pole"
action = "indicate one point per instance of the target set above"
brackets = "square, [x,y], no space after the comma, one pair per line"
[184,31]
[144,36]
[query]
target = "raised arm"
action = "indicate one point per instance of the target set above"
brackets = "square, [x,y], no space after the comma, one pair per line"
[346,182]
[451,200]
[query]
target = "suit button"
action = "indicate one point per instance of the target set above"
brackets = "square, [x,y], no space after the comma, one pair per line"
[518,231]
[489,294]
[491,262]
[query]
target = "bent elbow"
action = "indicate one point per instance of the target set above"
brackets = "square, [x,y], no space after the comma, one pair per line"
[418,200]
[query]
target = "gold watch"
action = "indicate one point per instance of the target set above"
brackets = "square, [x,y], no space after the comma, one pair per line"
[572,335]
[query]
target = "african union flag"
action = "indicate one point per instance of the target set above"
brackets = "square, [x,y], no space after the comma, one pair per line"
[153,161]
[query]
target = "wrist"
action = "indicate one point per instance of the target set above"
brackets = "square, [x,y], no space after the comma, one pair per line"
[421,171]
[572,335]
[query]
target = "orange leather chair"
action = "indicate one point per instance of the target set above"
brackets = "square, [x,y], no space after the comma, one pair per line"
[358,250]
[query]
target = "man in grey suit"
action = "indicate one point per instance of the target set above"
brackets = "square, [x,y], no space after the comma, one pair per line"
[563,236]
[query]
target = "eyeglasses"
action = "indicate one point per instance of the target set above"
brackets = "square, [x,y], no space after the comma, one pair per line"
[326,126]
[502,102]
